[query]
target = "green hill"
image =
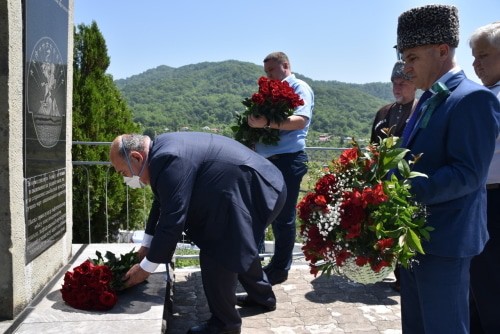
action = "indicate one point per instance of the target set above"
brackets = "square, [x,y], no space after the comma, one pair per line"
[205,96]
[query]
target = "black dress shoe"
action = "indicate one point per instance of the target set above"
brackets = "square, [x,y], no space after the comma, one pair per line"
[244,301]
[211,329]
[395,286]
[275,276]
[277,279]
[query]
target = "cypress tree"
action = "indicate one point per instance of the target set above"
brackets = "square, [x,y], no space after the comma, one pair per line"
[100,114]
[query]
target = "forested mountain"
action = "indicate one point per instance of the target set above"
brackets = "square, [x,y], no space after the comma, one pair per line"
[205,96]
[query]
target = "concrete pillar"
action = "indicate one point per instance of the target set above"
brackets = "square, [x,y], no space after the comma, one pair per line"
[36,52]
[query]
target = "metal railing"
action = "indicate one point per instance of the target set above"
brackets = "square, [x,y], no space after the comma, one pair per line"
[319,154]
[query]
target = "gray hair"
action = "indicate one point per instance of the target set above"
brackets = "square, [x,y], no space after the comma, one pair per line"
[489,32]
[131,142]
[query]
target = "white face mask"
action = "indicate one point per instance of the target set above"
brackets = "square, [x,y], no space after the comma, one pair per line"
[134,182]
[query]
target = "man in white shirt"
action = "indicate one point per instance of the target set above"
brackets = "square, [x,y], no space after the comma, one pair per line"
[485,268]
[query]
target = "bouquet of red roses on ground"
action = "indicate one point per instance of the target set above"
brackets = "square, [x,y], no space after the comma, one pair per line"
[361,214]
[93,285]
[276,101]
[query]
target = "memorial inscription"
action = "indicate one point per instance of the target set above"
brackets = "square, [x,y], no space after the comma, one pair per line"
[46,211]
[46,65]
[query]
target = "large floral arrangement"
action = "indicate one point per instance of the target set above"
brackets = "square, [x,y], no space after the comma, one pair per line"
[276,101]
[93,285]
[361,211]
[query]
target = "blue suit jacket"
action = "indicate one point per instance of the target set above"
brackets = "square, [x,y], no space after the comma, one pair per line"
[457,146]
[214,188]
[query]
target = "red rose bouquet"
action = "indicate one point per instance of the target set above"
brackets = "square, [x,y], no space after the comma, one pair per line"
[93,284]
[276,101]
[361,215]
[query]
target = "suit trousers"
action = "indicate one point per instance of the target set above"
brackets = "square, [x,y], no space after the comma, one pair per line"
[485,275]
[435,295]
[293,167]
[220,285]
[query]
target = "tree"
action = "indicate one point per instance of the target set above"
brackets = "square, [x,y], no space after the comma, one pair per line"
[99,115]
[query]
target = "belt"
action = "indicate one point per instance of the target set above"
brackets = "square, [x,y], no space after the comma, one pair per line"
[283,155]
[493,186]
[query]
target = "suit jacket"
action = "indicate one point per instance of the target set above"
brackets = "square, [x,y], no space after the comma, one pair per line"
[214,188]
[457,146]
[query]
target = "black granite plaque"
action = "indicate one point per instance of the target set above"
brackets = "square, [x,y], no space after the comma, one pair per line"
[46,65]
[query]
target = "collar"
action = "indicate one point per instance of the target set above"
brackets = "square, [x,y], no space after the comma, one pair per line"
[494,85]
[406,104]
[290,77]
[445,77]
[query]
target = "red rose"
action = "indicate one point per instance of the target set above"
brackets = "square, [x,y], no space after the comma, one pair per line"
[314,270]
[305,206]
[378,266]
[320,200]
[68,276]
[374,195]
[108,299]
[361,260]
[84,269]
[384,243]
[326,185]
[258,98]
[341,256]
[352,211]
[353,231]
[349,156]
[379,193]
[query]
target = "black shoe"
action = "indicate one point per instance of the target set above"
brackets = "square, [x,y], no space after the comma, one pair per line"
[244,301]
[277,279]
[395,286]
[275,276]
[211,329]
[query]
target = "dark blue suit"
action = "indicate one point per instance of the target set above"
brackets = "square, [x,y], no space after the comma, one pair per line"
[457,145]
[223,195]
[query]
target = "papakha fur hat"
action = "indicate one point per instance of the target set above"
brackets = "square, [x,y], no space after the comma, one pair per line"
[397,71]
[431,24]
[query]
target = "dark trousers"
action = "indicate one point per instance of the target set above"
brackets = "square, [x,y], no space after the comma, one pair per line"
[220,284]
[435,295]
[485,275]
[293,167]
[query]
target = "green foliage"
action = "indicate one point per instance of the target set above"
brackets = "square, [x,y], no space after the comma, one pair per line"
[186,262]
[118,265]
[209,94]
[399,217]
[99,114]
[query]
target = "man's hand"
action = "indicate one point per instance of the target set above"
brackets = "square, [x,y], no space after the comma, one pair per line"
[257,121]
[142,252]
[135,276]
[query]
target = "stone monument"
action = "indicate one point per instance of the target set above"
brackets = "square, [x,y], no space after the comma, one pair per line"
[36,52]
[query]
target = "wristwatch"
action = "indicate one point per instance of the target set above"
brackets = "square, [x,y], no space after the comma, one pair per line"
[268,125]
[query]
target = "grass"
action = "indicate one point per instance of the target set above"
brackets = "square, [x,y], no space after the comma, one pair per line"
[186,262]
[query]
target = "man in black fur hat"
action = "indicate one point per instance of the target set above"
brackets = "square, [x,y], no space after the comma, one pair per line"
[455,125]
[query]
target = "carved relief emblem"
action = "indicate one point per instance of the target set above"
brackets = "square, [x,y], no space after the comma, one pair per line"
[46,90]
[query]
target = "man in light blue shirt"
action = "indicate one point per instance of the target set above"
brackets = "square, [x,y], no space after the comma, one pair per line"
[289,156]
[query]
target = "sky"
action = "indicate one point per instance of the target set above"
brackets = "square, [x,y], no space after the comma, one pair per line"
[347,41]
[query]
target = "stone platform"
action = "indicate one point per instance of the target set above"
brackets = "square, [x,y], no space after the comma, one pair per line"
[305,305]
